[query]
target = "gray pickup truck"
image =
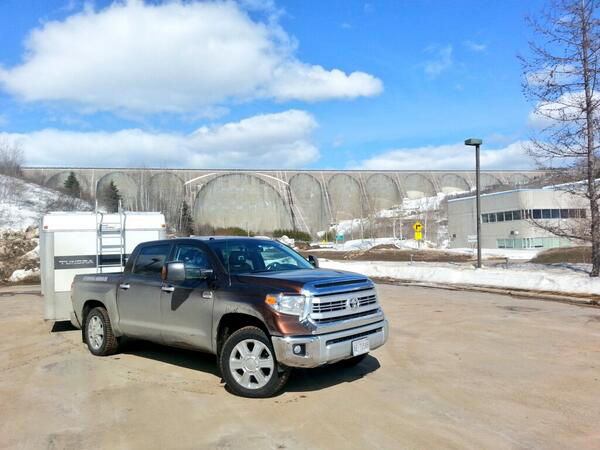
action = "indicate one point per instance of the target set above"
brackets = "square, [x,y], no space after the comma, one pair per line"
[255,303]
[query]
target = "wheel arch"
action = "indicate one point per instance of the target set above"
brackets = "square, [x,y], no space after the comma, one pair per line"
[88,305]
[231,322]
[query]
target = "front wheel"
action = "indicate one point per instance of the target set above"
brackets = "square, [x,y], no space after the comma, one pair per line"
[248,364]
[98,334]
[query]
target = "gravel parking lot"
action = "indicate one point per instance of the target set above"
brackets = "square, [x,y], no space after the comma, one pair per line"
[460,370]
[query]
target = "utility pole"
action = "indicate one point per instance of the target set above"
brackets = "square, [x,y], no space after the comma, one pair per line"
[477,143]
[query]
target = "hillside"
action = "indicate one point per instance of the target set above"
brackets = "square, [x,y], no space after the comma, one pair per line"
[22,204]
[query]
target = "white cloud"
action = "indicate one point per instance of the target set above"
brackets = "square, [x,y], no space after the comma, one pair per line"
[474,46]
[270,140]
[173,57]
[451,157]
[568,107]
[441,61]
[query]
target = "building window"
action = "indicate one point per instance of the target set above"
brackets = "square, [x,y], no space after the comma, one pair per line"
[524,214]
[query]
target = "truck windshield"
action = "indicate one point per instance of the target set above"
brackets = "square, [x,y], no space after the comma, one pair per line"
[254,256]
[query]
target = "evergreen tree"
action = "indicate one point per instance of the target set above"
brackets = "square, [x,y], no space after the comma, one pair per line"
[72,185]
[187,223]
[112,197]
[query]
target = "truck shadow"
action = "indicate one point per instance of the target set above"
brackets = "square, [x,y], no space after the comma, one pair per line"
[306,380]
[188,359]
[301,380]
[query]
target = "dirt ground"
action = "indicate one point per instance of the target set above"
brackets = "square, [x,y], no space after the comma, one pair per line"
[576,255]
[460,370]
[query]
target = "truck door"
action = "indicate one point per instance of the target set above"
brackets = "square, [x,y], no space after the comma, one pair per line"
[187,306]
[138,295]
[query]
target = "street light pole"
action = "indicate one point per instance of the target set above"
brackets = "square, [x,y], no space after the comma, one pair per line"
[477,143]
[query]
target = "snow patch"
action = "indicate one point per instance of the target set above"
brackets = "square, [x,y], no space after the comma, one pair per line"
[22,274]
[22,204]
[510,278]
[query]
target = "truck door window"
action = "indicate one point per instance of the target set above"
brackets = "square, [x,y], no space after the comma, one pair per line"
[195,260]
[151,259]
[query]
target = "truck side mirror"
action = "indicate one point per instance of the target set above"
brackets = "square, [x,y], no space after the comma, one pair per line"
[313,260]
[173,271]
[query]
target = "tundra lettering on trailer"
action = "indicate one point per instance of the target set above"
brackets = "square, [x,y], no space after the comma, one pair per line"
[256,304]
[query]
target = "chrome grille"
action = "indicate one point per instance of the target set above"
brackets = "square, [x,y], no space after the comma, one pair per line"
[336,305]
[328,309]
[340,305]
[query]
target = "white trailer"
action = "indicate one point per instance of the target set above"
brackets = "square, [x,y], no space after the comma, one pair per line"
[73,243]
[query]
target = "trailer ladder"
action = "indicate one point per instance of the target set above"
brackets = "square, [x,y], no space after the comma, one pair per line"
[110,241]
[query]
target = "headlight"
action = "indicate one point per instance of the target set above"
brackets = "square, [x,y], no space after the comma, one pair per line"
[293,304]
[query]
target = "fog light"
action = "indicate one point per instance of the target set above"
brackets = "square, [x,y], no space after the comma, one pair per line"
[297,349]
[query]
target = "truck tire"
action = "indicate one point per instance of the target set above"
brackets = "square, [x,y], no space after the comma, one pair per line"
[98,333]
[248,364]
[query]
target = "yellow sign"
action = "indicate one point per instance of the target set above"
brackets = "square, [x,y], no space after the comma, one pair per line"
[418,236]
[418,227]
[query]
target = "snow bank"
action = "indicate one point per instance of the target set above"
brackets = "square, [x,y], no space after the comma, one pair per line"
[538,280]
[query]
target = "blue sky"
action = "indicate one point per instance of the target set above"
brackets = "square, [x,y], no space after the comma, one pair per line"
[311,84]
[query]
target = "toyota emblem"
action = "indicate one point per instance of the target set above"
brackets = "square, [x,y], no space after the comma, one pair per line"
[353,303]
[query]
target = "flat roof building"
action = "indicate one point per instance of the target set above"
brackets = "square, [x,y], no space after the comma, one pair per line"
[506,218]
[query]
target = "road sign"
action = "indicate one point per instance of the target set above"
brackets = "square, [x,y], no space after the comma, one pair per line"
[418,227]
[418,236]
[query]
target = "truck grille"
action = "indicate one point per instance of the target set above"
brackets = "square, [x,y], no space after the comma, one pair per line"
[354,336]
[328,309]
[340,305]
[346,317]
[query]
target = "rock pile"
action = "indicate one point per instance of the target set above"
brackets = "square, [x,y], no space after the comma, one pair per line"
[19,256]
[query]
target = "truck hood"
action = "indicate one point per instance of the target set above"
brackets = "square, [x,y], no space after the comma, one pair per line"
[295,280]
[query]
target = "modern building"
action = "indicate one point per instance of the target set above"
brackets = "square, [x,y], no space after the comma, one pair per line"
[508,218]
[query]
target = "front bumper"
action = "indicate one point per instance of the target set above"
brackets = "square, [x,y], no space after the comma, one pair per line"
[327,348]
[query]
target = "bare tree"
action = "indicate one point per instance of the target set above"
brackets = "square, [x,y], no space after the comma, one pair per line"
[560,77]
[11,159]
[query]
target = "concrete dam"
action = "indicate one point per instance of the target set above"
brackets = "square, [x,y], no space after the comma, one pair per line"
[265,200]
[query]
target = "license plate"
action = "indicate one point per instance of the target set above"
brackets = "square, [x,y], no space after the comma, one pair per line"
[360,346]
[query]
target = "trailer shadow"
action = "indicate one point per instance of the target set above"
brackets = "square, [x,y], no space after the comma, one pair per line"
[63,326]
[188,359]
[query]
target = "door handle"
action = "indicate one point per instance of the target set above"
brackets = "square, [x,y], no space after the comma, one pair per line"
[168,288]
[207,294]
[124,286]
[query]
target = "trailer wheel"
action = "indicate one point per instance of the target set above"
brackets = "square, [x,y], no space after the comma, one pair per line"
[98,333]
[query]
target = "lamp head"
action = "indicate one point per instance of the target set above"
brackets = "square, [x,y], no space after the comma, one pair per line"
[473,141]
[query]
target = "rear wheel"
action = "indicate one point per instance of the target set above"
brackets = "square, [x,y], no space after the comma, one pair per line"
[248,364]
[98,334]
